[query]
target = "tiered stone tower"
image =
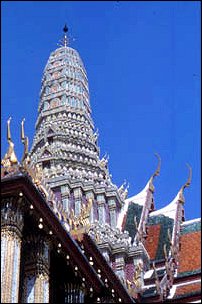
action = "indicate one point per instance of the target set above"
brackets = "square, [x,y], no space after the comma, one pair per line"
[65,147]
[65,144]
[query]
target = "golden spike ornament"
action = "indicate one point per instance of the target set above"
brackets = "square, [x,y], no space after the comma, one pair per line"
[25,142]
[8,129]
[22,129]
[10,157]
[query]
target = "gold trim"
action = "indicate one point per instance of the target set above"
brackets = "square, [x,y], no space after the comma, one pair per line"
[81,221]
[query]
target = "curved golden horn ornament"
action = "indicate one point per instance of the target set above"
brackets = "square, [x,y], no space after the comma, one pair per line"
[157,172]
[188,182]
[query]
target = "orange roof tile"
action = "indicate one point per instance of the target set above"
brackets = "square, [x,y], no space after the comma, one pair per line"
[181,290]
[190,257]
[151,243]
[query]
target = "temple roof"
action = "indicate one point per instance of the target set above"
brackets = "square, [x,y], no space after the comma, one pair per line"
[138,201]
[169,210]
[12,185]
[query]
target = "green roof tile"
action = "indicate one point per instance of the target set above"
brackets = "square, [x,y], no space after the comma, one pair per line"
[165,223]
[192,227]
[133,210]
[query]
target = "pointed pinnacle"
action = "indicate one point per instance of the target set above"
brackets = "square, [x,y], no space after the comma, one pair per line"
[65,29]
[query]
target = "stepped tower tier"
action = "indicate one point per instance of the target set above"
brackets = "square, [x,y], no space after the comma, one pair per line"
[65,144]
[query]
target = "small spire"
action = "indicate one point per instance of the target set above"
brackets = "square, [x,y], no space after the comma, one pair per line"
[125,193]
[64,41]
[121,189]
[65,29]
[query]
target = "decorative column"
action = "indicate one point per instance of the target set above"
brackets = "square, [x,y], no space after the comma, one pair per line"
[78,198]
[101,208]
[65,192]
[11,233]
[90,195]
[36,270]
[120,262]
[112,211]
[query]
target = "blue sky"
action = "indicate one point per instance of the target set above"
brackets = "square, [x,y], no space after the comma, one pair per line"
[143,65]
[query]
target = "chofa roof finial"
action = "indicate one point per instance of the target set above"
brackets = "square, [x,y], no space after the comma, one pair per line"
[187,184]
[156,173]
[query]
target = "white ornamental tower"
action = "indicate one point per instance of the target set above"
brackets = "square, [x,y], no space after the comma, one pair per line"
[65,143]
